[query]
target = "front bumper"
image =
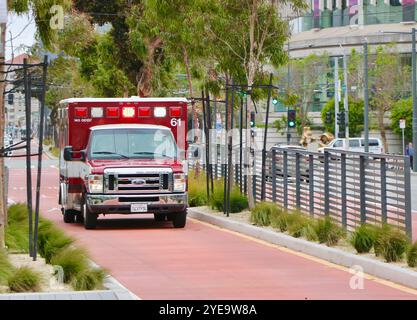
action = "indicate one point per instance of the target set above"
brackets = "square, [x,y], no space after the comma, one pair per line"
[120,203]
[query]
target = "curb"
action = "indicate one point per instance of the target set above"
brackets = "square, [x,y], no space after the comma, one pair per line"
[370,266]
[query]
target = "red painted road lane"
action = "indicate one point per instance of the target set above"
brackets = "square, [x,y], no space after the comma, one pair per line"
[156,261]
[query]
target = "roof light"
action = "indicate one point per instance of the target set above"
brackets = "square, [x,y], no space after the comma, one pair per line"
[175,112]
[160,112]
[97,112]
[128,112]
[144,112]
[112,112]
[81,112]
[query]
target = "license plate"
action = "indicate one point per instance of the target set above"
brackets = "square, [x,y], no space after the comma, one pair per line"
[139,207]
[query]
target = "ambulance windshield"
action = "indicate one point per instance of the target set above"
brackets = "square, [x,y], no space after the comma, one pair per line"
[132,143]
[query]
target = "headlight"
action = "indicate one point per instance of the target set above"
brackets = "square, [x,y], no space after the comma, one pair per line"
[180,182]
[95,183]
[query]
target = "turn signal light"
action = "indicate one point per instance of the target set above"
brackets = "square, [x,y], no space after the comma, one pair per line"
[175,112]
[112,112]
[81,112]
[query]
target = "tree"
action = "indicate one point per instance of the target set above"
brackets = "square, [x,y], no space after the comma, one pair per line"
[249,35]
[403,109]
[356,116]
[389,84]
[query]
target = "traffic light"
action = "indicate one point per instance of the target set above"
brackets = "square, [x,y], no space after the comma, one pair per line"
[329,117]
[341,121]
[291,118]
[252,119]
[10,98]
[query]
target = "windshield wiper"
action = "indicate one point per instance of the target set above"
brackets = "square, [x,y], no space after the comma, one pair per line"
[110,152]
[153,153]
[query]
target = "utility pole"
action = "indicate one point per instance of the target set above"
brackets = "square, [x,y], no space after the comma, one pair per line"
[413,33]
[336,96]
[366,96]
[3,204]
[288,90]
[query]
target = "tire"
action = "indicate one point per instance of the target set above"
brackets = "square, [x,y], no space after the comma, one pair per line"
[89,218]
[179,220]
[79,218]
[159,217]
[69,216]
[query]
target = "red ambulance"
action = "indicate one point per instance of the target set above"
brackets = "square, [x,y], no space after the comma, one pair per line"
[123,156]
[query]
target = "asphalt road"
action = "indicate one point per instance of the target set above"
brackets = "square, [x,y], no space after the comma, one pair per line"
[156,261]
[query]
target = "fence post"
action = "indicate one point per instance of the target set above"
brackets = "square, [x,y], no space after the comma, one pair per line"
[311,183]
[297,181]
[326,184]
[383,173]
[362,188]
[285,169]
[274,175]
[407,195]
[343,186]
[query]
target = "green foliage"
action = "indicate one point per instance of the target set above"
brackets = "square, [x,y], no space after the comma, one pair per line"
[24,280]
[263,211]
[402,109]
[197,193]
[88,279]
[363,238]
[6,269]
[51,240]
[356,110]
[328,231]
[302,226]
[391,243]
[17,229]
[412,255]
[238,201]
[72,260]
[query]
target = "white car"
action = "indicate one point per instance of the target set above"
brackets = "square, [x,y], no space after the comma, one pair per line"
[355,144]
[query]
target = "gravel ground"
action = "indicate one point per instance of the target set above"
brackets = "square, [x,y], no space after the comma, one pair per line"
[344,244]
[50,282]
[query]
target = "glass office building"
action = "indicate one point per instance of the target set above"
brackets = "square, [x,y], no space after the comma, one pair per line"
[338,13]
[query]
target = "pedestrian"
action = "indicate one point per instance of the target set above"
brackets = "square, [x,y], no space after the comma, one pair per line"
[410,152]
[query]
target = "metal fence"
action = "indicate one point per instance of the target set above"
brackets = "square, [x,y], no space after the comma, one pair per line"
[351,187]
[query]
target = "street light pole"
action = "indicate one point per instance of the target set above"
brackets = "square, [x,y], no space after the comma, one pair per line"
[414,96]
[366,97]
[336,96]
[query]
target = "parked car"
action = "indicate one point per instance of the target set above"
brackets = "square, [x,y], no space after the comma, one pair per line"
[355,144]
[279,167]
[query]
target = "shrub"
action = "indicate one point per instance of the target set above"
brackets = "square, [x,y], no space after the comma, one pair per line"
[328,231]
[363,238]
[261,214]
[89,279]
[197,193]
[51,240]
[17,229]
[24,280]
[302,226]
[412,255]
[6,268]
[390,243]
[282,221]
[238,201]
[72,260]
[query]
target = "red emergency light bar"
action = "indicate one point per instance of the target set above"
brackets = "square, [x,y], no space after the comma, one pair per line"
[81,112]
[144,112]
[175,112]
[112,112]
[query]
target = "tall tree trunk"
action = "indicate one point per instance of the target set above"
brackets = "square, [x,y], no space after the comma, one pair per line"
[381,115]
[3,204]
[144,86]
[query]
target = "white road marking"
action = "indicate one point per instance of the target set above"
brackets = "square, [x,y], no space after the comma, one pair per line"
[53,209]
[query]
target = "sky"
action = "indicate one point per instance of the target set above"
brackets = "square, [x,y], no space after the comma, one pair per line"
[22,29]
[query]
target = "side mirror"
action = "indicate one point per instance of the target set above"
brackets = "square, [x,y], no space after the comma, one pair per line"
[68,153]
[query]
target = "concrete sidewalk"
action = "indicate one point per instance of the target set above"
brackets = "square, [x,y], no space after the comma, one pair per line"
[115,291]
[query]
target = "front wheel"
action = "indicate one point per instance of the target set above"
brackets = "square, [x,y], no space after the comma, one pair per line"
[89,218]
[179,219]
[69,216]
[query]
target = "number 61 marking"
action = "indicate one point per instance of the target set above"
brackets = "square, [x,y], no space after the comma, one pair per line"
[175,122]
